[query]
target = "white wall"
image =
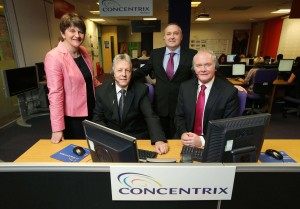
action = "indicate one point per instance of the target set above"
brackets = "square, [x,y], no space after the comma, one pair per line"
[289,43]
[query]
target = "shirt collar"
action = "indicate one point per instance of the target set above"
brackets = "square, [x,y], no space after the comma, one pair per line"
[209,84]
[168,51]
[118,88]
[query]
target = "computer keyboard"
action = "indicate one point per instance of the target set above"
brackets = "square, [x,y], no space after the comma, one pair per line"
[195,152]
[144,154]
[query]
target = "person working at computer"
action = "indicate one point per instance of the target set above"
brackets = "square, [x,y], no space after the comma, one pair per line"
[258,63]
[171,66]
[294,91]
[204,98]
[124,106]
[70,81]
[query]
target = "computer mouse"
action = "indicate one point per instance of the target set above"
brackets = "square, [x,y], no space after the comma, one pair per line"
[78,151]
[274,153]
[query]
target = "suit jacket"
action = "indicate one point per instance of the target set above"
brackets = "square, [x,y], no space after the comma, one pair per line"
[166,90]
[222,102]
[67,87]
[139,119]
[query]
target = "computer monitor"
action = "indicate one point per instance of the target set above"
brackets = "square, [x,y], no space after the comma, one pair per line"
[108,145]
[237,139]
[285,65]
[251,61]
[225,70]
[19,80]
[230,57]
[41,71]
[238,69]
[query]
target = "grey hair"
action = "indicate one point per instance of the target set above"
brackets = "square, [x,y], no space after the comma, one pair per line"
[213,55]
[120,57]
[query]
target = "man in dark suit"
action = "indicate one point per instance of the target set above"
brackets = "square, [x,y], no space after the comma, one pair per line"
[167,88]
[219,96]
[125,107]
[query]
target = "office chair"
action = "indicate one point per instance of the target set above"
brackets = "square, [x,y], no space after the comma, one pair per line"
[288,100]
[151,92]
[262,88]
[242,101]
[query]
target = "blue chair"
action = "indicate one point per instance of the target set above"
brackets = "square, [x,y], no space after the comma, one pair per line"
[262,88]
[287,109]
[242,101]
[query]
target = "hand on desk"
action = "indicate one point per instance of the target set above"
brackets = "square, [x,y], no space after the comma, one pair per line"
[161,147]
[57,137]
[191,139]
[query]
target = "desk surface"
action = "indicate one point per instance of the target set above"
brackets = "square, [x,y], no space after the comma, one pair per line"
[276,82]
[43,149]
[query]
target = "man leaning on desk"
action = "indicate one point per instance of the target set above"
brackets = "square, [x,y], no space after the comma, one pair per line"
[204,98]
[123,105]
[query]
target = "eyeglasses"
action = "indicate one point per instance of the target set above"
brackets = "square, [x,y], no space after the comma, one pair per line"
[206,66]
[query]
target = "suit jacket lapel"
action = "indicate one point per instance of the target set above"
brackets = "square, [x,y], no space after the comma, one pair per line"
[182,60]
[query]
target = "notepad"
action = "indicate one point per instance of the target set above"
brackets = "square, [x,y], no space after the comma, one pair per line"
[268,159]
[67,154]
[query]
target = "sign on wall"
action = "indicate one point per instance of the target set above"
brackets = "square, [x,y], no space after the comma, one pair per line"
[109,8]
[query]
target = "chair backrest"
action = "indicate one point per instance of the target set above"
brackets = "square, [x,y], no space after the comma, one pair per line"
[263,80]
[150,92]
[242,101]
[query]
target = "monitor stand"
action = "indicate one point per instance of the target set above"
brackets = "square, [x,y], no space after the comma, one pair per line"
[245,154]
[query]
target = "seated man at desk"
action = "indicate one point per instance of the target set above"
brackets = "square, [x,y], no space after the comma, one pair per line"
[125,107]
[203,98]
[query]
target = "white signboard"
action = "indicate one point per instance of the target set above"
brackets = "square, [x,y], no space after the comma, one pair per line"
[109,8]
[166,183]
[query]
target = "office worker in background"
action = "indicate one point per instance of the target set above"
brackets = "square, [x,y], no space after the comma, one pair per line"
[70,81]
[294,91]
[204,98]
[171,66]
[258,63]
[222,59]
[134,116]
[144,55]
[278,58]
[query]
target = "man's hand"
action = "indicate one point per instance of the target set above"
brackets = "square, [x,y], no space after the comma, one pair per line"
[161,147]
[191,139]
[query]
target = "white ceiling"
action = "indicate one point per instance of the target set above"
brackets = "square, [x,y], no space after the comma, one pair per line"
[219,10]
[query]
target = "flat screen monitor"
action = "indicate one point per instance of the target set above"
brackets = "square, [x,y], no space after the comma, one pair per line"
[251,61]
[225,70]
[238,69]
[41,71]
[285,65]
[237,139]
[230,57]
[19,80]
[108,145]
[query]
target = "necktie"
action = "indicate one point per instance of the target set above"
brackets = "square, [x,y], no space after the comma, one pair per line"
[121,102]
[170,66]
[199,111]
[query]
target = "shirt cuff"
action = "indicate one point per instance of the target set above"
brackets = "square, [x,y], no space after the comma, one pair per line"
[202,141]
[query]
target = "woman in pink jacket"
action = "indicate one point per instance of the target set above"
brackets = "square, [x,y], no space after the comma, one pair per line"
[70,81]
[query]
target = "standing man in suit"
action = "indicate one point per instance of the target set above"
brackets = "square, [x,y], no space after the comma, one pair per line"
[167,86]
[219,100]
[125,107]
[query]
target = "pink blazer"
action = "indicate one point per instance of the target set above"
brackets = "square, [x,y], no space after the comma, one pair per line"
[67,87]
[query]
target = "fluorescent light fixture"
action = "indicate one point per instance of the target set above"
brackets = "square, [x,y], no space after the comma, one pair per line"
[149,18]
[203,17]
[282,11]
[95,12]
[97,20]
[195,3]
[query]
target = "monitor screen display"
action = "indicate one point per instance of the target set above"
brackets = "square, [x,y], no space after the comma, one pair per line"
[230,57]
[238,69]
[108,145]
[285,65]
[19,80]
[237,139]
